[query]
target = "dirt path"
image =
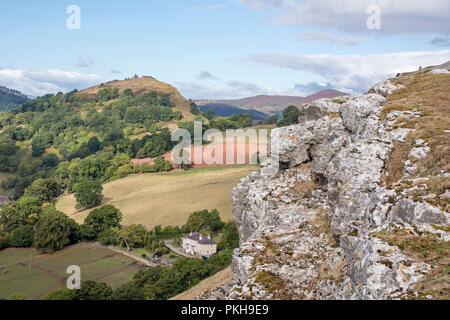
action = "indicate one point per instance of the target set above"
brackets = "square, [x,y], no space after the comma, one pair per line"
[132,256]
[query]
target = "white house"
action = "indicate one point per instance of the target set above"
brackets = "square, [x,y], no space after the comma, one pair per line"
[199,244]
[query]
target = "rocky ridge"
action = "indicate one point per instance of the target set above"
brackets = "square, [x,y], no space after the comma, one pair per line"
[318,226]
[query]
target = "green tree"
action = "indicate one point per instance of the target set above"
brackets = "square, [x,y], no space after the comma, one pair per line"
[162,164]
[91,290]
[194,108]
[40,143]
[7,146]
[204,220]
[290,116]
[127,291]
[132,236]
[44,189]
[88,193]
[19,213]
[52,232]
[93,144]
[230,237]
[51,160]
[209,114]
[61,294]
[273,119]
[22,237]
[103,218]
[4,240]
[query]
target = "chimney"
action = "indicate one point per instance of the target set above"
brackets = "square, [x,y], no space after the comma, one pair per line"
[201,237]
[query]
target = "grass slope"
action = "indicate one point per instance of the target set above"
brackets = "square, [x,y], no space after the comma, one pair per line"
[48,271]
[210,283]
[167,198]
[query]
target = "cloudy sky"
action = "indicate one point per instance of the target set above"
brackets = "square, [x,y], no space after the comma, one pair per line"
[220,48]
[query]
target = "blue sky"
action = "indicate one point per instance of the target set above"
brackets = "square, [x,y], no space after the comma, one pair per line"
[219,48]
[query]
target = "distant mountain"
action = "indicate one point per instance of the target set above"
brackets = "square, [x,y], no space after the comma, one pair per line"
[10,98]
[265,104]
[226,110]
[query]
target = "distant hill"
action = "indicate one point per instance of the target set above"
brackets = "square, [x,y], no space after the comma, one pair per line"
[143,85]
[268,105]
[226,110]
[10,98]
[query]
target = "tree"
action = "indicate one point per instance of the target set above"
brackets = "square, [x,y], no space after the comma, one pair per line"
[290,116]
[22,237]
[230,237]
[91,290]
[61,294]
[128,92]
[109,237]
[4,240]
[128,292]
[132,236]
[194,109]
[209,114]
[103,218]
[51,160]
[273,119]
[162,164]
[44,189]
[158,144]
[52,232]
[94,144]
[204,221]
[40,143]
[7,146]
[88,193]
[19,213]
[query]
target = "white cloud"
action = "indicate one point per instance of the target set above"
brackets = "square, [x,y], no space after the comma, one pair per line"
[247,87]
[258,4]
[355,73]
[84,62]
[205,75]
[241,89]
[441,42]
[351,16]
[207,5]
[38,83]
[231,90]
[310,88]
[329,37]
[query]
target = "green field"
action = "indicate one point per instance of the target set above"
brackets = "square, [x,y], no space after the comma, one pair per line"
[48,272]
[167,198]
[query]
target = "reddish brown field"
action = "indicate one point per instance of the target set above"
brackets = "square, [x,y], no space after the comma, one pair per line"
[239,153]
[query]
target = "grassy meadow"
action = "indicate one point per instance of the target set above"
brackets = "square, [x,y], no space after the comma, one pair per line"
[167,198]
[48,271]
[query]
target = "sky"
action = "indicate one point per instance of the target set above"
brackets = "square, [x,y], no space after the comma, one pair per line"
[219,49]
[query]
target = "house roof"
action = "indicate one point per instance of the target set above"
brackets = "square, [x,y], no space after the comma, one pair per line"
[200,238]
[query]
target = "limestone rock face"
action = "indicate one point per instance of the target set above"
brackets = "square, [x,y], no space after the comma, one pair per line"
[308,226]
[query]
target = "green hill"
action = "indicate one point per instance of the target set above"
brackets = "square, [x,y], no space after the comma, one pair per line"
[10,98]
